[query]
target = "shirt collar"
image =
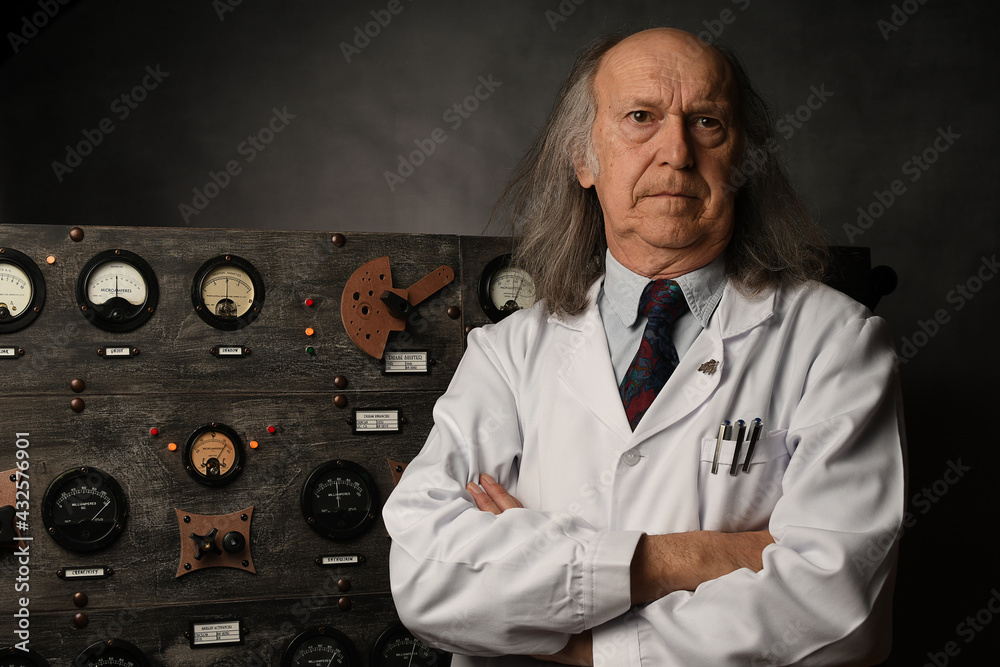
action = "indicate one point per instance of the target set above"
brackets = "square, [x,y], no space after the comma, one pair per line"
[702,289]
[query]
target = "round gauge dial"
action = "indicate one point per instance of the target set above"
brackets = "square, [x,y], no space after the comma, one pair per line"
[214,454]
[320,647]
[84,509]
[504,289]
[339,500]
[117,290]
[228,292]
[14,656]
[111,653]
[22,290]
[396,647]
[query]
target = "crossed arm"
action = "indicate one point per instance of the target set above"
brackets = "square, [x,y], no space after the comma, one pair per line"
[661,564]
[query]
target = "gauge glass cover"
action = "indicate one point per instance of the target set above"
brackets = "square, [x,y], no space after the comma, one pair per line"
[228,292]
[214,454]
[84,509]
[504,289]
[111,653]
[320,646]
[22,290]
[117,291]
[339,500]
[397,647]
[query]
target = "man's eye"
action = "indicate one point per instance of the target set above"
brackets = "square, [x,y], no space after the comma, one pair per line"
[707,123]
[641,116]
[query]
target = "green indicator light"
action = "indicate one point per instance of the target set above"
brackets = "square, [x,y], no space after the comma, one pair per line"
[310,350]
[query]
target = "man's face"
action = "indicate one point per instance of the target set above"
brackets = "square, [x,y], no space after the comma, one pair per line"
[666,142]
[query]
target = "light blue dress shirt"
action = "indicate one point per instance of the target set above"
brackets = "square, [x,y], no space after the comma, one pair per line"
[618,303]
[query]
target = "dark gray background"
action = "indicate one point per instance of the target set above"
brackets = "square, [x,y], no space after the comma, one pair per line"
[891,94]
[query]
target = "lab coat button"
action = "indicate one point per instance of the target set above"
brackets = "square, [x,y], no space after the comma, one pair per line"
[631,457]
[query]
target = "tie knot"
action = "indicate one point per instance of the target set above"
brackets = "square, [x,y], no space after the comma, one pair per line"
[662,301]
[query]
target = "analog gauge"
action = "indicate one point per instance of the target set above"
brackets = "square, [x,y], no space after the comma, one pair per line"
[320,647]
[15,656]
[84,509]
[214,455]
[339,500]
[22,290]
[396,647]
[228,292]
[504,288]
[117,290]
[111,653]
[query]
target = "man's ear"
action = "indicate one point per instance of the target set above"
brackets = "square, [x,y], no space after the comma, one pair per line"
[586,177]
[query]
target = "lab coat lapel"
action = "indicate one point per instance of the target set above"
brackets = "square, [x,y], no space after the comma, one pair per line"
[694,380]
[586,368]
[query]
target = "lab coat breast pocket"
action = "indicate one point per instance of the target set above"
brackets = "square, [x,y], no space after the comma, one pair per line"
[744,500]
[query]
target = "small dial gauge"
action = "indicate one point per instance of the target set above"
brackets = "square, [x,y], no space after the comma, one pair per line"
[504,289]
[111,653]
[84,509]
[396,647]
[228,292]
[15,656]
[22,290]
[117,291]
[339,500]
[214,455]
[320,647]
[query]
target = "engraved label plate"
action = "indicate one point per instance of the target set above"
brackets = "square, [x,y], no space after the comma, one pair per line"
[84,572]
[119,352]
[8,353]
[376,421]
[347,559]
[408,361]
[229,351]
[215,633]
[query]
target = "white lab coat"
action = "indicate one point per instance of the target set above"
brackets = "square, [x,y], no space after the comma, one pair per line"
[534,403]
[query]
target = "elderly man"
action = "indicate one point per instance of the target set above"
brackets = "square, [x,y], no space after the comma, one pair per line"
[583,502]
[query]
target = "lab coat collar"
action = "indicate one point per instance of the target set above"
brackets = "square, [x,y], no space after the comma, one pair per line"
[588,373]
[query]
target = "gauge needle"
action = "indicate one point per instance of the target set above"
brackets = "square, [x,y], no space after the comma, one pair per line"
[93,518]
[414,650]
[116,285]
[336,489]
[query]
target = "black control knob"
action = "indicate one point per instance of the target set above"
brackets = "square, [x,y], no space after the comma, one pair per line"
[206,544]
[234,542]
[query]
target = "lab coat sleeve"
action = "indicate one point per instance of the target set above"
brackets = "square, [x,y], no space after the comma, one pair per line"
[822,597]
[478,584]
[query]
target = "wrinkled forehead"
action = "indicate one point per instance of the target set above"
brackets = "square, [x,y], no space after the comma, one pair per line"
[668,65]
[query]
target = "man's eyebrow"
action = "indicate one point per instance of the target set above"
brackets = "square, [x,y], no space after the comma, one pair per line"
[704,106]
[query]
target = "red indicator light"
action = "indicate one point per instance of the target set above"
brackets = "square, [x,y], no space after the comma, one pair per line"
[154,431]
[309,302]
[271,429]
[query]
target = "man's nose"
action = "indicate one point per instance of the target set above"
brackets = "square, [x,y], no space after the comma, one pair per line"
[674,144]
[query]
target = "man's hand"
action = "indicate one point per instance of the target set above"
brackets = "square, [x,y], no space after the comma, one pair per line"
[491,497]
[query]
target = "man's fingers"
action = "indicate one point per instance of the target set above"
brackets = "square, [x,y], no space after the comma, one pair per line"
[491,497]
[497,493]
[483,501]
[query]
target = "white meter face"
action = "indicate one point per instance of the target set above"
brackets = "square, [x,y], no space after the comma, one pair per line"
[116,279]
[228,292]
[512,289]
[15,290]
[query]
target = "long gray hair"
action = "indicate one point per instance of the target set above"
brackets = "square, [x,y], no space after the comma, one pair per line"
[561,224]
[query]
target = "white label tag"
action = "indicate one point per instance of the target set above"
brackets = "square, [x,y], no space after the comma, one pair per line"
[339,560]
[407,362]
[371,421]
[83,573]
[211,634]
[117,352]
[231,351]
[8,351]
